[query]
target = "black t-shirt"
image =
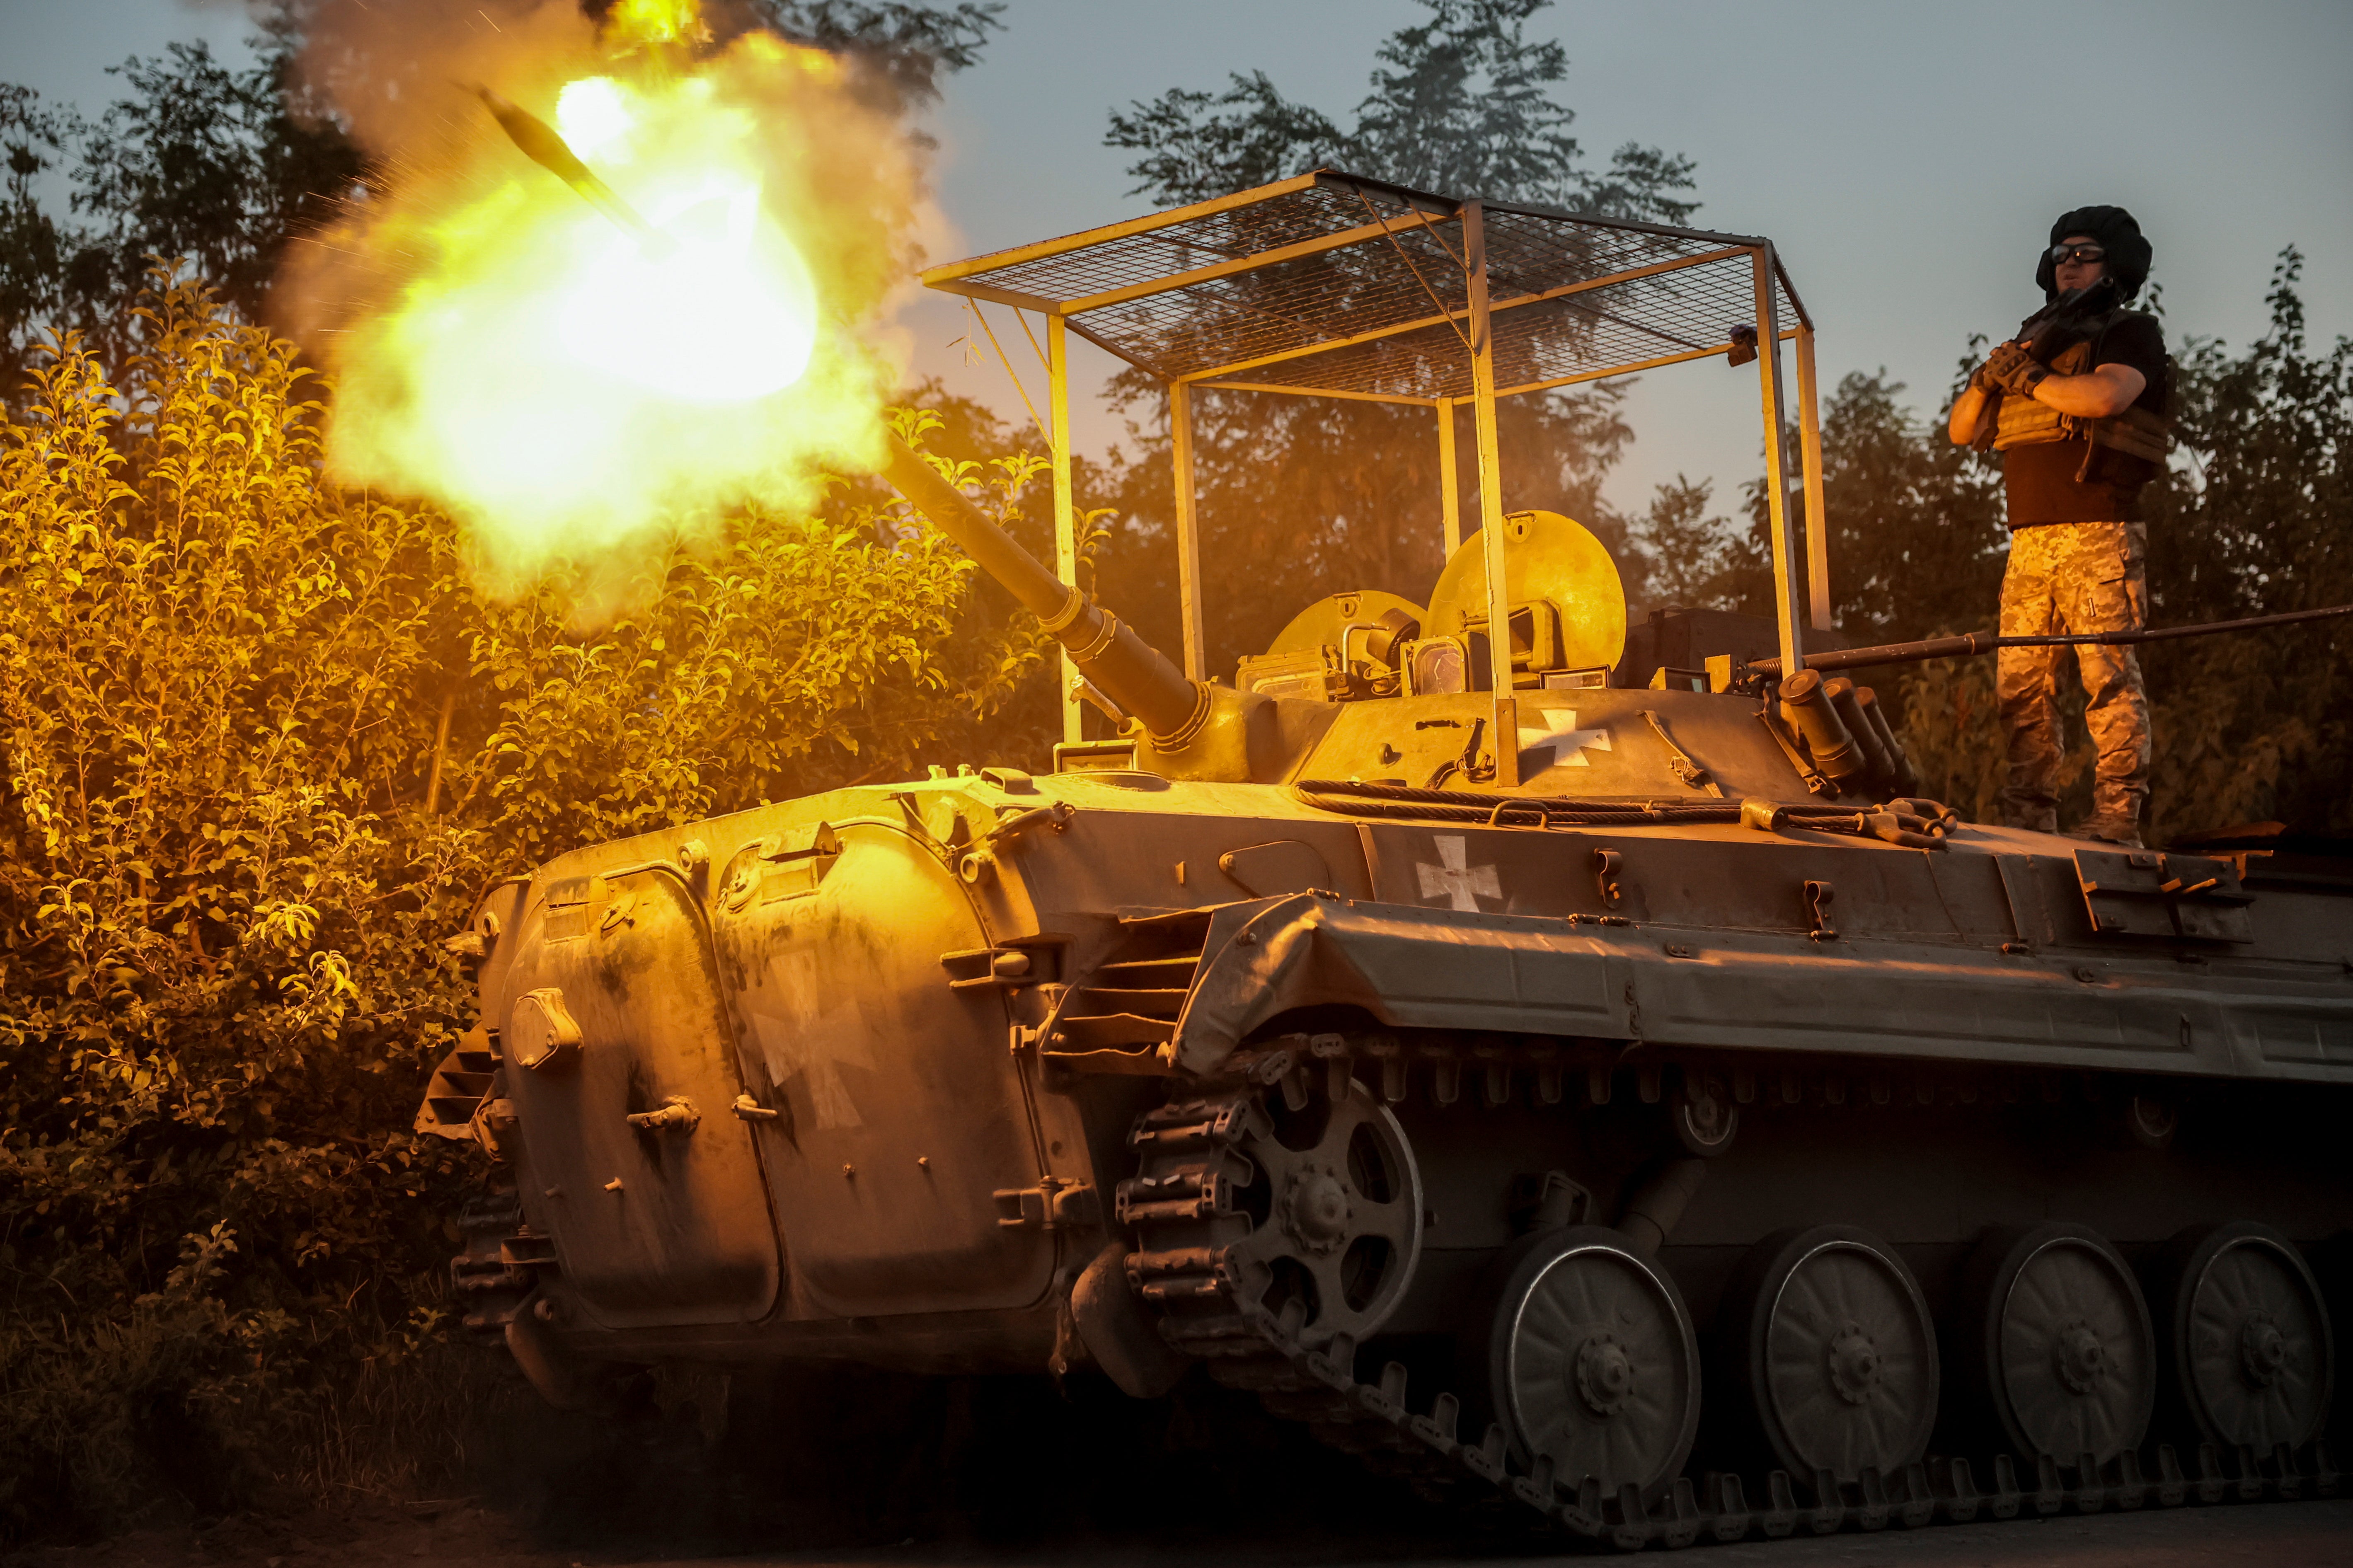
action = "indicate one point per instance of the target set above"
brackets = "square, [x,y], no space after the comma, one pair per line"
[2040,478]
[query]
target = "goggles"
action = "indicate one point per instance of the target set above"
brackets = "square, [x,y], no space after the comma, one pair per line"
[2063,254]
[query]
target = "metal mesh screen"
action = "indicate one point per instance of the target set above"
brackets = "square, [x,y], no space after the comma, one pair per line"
[1281,220]
[1383,316]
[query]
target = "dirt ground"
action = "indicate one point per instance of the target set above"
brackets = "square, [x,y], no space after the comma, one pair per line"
[461,1534]
[867,1471]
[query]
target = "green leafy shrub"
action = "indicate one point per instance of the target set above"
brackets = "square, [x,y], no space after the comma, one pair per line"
[227,691]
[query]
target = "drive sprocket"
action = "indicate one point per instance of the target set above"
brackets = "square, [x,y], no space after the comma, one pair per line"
[1311,1212]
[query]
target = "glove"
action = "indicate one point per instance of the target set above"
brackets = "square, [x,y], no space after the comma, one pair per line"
[2015,371]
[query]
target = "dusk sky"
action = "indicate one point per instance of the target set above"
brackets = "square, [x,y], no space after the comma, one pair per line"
[1908,159]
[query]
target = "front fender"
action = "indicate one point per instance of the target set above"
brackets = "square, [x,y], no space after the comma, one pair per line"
[1410,968]
[1775,992]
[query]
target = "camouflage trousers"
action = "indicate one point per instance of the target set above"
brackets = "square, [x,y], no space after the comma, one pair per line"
[2074,577]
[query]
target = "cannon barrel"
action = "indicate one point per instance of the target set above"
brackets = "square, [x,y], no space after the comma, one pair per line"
[1969,643]
[1134,674]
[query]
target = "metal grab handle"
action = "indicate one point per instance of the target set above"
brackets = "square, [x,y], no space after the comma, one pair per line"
[749,1110]
[981,861]
[676,1110]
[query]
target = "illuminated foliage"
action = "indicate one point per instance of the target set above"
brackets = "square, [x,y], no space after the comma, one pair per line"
[222,895]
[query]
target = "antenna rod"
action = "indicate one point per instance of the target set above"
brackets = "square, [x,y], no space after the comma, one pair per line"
[1971,643]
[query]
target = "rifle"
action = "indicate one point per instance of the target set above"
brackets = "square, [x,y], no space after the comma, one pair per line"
[2075,309]
[2042,333]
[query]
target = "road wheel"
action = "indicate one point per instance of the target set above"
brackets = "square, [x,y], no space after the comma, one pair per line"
[1833,1353]
[2056,1345]
[1592,1362]
[2247,1338]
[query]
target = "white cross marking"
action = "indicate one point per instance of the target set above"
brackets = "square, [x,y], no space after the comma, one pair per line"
[1556,731]
[1455,877]
[820,1042]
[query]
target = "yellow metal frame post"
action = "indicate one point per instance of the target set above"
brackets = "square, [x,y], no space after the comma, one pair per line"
[1193,337]
[1777,478]
[1189,530]
[1817,529]
[1506,736]
[1450,478]
[1066,520]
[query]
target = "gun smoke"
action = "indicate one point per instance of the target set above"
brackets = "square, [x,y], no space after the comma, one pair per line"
[570,389]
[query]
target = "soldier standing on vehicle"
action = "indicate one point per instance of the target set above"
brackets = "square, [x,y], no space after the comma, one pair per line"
[2077,402]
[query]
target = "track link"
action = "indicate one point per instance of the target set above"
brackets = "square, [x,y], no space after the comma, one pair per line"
[1192,1161]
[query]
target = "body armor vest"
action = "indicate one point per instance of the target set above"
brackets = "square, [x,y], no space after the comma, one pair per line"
[2026,422]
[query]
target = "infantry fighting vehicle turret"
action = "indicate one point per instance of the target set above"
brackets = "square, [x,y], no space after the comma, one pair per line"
[1557,1066]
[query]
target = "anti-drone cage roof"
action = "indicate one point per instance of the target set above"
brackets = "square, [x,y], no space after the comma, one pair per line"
[1333,284]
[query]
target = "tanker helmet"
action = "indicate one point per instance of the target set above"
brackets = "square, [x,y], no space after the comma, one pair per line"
[2128,251]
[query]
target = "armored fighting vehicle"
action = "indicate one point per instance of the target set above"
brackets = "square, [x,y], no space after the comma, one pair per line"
[1557,1064]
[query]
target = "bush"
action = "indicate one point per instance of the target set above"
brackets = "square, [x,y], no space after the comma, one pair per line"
[265,743]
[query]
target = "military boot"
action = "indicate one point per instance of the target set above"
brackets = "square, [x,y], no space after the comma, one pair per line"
[2116,830]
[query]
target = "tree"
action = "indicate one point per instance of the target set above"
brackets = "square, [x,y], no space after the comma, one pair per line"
[2250,518]
[226,688]
[1303,497]
[2256,520]
[1915,526]
[225,167]
[1914,522]
[31,249]
[223,888]
[1461,103]
[1691,556]
[910,44]
[201,160]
